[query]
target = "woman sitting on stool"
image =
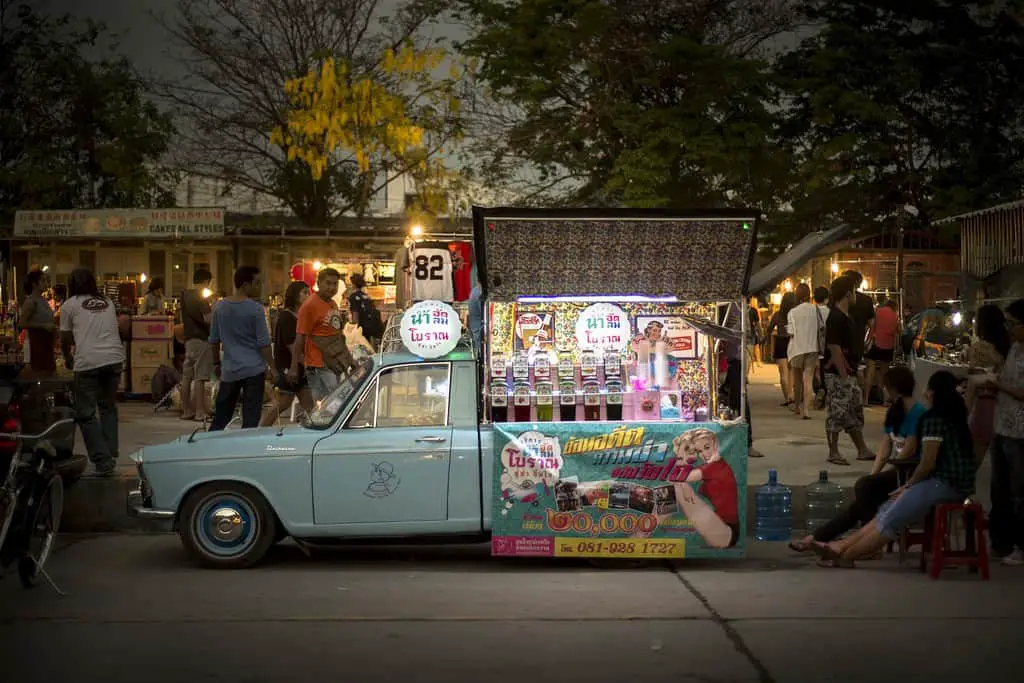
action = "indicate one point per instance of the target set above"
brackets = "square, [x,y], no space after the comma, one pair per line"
[898,443]
[944,475]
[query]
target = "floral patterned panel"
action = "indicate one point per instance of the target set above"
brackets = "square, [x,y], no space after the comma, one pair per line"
[693,259]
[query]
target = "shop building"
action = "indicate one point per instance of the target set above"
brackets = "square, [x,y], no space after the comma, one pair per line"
[991,252]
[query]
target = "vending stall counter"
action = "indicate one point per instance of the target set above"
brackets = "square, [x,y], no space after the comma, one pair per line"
[600,380]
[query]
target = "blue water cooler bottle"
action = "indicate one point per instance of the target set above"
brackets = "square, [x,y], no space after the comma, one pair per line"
[773,520]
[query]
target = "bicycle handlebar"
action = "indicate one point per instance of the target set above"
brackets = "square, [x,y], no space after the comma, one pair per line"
[18,436]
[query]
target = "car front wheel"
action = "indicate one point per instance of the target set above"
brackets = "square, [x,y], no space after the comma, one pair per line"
[227,525]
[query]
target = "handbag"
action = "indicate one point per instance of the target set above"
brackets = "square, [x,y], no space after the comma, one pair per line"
[334,349]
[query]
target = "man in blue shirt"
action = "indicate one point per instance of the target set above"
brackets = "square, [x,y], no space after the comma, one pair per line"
[240,327]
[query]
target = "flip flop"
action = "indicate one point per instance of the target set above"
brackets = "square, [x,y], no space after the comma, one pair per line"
[838,460]
[824,551]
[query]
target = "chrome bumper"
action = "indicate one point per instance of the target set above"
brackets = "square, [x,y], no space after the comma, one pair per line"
[137,508]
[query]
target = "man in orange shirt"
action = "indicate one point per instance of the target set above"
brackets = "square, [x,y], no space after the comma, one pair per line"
[318,317]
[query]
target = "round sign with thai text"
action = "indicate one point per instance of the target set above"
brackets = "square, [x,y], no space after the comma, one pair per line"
[431,329]
[602,327]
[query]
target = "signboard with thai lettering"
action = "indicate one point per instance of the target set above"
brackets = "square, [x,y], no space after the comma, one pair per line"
[195,222]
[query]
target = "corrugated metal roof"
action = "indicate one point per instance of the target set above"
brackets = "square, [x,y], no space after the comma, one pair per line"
[998,208]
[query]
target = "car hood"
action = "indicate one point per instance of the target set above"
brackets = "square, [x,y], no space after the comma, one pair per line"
[293,440]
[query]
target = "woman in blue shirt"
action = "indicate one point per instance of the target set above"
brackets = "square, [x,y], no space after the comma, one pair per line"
[898,442]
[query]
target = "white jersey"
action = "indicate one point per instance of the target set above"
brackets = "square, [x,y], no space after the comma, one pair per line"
[431,269]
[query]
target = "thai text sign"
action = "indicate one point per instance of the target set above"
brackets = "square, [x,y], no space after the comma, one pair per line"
[139,223]
[602,327]
[431,329]
[632,490]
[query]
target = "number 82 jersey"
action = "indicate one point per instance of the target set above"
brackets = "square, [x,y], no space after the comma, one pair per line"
[432,274]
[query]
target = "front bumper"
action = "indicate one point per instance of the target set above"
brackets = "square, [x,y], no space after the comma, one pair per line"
[137,508]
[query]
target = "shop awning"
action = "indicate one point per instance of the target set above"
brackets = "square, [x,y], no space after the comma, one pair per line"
[695,256]
[796,256]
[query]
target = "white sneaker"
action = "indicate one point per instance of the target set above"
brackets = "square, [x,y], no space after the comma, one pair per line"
[1014,559]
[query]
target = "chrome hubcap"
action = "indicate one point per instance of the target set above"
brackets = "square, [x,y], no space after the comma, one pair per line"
[226,524]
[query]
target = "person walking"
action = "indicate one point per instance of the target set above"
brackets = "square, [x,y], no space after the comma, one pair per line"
[36,317]
[364,312]
[778,329]
[239,328]
[804,337]
[986,353]
[843,394]
[862,314]
[284,344]
[1006,520]
[88,325]
[882,338]
[821,297]
[197,368]
[319,320]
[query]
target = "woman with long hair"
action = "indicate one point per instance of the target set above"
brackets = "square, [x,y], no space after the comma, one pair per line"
[780,345]
[988,354]
[155,298]
[37,319]
[88,324]
[944,475]
[284,342]
[899,441]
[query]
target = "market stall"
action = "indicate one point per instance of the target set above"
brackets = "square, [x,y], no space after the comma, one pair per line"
[600,358]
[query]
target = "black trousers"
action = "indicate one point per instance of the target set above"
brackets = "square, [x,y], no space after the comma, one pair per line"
[1006,520]
[733,382]
[868,495]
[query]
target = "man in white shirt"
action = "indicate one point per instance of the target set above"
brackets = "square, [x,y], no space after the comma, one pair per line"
[805,326]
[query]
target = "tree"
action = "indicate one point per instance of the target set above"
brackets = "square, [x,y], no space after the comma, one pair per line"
[242,124]
[898,103]
[639,102]
[74,133]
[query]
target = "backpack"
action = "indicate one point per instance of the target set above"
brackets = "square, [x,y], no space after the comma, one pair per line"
[369,317]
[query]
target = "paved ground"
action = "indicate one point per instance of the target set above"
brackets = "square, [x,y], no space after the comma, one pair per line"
[135,611]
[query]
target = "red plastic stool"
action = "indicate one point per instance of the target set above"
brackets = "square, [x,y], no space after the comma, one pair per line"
[975,553]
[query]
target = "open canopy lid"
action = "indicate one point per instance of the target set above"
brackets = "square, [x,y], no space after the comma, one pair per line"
[694,255]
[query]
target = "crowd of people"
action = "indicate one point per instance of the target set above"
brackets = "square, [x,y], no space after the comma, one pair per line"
[930,451]
[228,342]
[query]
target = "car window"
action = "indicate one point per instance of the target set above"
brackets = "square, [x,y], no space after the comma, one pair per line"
[362,417]
[413,396]
[326,410]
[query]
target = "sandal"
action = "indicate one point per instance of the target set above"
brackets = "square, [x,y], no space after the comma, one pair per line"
[837,460]
[786,404]
[824,551]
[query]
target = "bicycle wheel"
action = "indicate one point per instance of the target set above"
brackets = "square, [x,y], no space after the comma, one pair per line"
[42,534]
[8,503]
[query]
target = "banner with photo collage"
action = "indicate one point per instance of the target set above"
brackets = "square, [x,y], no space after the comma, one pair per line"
[647,490]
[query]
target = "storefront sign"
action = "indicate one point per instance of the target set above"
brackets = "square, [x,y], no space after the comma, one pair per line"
[141,223]
[630,490]
[602,327]
[431,329]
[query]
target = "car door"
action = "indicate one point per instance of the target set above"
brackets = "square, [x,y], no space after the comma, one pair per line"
[390,462]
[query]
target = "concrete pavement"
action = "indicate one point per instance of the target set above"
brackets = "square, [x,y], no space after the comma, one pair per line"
[136,611]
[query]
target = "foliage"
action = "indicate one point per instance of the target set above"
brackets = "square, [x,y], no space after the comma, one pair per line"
[371,118]
[74,132]
[637,102]
[897,103]
[239,121]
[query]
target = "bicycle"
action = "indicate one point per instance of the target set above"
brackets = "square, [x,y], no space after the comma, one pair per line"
[31,503]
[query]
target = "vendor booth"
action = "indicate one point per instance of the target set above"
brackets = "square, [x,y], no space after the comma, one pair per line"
[600,378]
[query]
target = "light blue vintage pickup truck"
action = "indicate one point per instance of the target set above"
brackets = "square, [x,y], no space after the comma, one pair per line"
[396,451]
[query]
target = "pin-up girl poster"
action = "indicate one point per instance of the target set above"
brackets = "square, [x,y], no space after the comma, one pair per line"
[709,495]
[680,338]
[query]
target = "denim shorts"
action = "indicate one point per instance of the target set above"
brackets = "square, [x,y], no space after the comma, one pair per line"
[321,382]
[913,505]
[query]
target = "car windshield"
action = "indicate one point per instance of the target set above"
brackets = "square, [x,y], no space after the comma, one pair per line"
[326,410]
